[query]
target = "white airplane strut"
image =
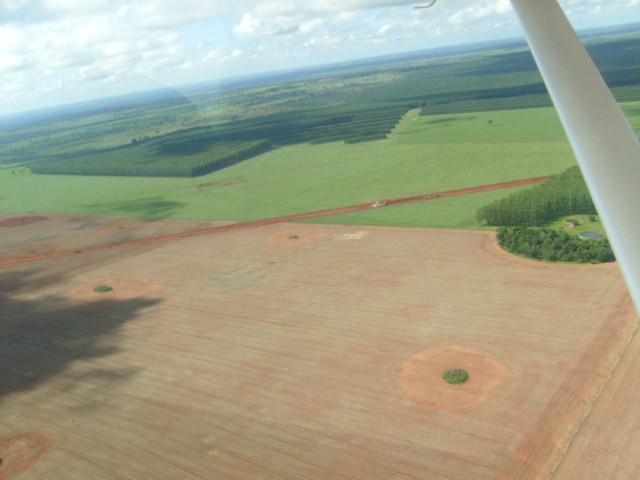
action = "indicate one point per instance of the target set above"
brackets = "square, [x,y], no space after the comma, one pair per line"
[604,143]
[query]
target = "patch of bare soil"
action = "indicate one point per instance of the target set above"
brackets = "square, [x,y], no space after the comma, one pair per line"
[222,183]
[295,236]
[29,251]
[20,452]
[120,226]
[420,377]
[122,288]
[20,221]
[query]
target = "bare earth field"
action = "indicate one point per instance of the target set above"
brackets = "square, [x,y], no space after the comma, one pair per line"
[30,236]
[305,352]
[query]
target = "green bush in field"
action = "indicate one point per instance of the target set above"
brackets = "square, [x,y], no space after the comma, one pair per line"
[103,288]
[455,376]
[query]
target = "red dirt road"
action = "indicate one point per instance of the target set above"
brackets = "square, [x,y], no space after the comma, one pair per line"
[275,220]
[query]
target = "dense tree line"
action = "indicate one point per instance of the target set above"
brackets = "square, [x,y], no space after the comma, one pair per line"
[200,150]
[315,126]
[149,159]
[555,246]
[561,195]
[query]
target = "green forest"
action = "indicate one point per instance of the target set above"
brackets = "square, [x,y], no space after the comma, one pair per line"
[560,195]
[521,214]
[200,150]
[153,158]
[554,246]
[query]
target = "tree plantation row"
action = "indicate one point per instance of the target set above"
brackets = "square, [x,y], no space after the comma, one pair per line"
[560,195]
[327,104]
[198,151]
[146,160]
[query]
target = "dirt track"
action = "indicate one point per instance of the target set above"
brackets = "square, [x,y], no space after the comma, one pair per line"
[272,221]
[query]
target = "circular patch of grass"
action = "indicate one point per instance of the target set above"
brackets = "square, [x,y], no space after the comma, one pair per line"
[103,289]
[455,376]
[293,237]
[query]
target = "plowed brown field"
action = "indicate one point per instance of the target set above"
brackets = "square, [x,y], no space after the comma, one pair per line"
[306,352]
[129,233]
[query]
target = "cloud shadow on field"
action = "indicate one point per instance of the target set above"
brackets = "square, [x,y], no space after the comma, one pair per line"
[155,207]
[41,338]
[449,120]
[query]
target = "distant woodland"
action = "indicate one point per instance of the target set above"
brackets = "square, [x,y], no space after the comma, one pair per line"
[202,150]
[153,158]
[206,127]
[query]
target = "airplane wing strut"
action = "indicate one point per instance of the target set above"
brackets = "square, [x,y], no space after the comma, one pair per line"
[604,143]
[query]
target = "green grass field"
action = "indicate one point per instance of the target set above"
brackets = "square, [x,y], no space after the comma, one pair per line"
[581,223]
[449,212]
[299,178]
[425,154]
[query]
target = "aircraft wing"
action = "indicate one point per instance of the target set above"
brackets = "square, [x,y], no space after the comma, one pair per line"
[604,143]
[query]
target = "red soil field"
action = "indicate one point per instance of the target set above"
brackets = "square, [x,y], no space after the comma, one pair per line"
[255,354]
[20,221]
[69,234]
[124,226]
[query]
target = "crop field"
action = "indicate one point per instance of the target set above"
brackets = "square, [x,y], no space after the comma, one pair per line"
[468,122]
[422,155]
[305,177]
[306,351]
[23,237]
[452,212]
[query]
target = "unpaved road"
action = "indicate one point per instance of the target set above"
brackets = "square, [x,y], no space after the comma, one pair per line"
[272,221]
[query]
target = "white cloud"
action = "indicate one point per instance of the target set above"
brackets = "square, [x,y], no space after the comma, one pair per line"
[76,7]
[66,47]
[593,7]
[478,11]
[13,5]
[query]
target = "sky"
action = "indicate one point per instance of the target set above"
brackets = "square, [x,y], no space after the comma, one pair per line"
[54,52]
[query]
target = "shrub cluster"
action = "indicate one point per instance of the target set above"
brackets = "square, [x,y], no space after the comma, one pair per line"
[103,288]
[552,245]
[455,376]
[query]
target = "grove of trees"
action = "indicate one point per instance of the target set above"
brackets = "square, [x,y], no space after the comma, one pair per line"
[201,150]
[520,215]
[151,159]
[554,246]
[561,195]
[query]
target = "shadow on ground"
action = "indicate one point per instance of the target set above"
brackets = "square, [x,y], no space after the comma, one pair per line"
[155,207]
[41,337]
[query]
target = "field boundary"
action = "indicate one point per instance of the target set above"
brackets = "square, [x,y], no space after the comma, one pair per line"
[275,220]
